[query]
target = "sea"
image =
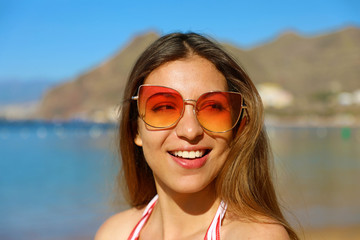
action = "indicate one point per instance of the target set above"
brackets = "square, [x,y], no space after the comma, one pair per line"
[57,179]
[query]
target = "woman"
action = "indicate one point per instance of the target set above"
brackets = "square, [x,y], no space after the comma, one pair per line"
[195,156]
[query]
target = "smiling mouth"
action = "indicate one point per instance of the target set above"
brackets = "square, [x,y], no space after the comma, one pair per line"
[190,154]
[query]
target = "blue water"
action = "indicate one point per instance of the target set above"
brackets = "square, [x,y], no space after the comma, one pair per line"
[56,180]
[318,174]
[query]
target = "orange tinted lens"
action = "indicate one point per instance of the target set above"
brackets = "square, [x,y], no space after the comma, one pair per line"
[159,107]
[218,111]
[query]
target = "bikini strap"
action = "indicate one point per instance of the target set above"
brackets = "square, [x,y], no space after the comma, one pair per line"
[146,214]
[213,232]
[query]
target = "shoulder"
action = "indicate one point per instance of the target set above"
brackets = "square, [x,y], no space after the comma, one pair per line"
[252,230]
[119,226]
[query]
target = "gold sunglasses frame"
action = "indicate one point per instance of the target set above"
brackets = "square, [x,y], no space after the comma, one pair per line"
[186,102]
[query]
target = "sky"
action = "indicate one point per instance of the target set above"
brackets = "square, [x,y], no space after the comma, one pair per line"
[57,40]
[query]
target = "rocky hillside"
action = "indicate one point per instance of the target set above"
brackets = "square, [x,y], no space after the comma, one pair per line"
[95,93]
[313,70]
[308,65]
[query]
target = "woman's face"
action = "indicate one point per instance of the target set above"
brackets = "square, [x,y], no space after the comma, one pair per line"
[191,77]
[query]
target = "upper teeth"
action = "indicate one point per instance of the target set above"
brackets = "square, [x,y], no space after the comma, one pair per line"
[189,154]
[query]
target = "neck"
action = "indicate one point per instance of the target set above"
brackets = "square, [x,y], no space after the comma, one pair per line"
[182,215]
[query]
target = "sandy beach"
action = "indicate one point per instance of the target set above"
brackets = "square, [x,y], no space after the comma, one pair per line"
[333,233]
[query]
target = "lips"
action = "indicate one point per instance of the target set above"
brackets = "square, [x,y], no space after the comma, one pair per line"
[190,159]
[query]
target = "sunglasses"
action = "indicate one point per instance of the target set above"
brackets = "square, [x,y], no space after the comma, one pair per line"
[162,107]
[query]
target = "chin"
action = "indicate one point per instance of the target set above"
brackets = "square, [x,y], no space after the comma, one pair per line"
[189,185]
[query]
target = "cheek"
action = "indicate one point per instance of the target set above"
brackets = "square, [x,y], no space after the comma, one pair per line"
[223,153]
[151,141]
[223,140]
[223,148]
[154,152]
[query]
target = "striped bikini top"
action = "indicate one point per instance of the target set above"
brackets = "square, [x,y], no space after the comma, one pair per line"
[212,233]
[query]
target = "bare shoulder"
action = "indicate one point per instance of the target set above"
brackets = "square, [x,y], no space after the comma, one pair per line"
[119,226]
[251,230]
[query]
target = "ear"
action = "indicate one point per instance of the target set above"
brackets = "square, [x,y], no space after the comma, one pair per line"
[243,122]
[138,140]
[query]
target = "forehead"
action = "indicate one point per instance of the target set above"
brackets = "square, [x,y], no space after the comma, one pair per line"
[191,76]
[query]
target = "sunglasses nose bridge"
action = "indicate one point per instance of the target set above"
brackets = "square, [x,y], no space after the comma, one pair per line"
[188,125]
[191,102]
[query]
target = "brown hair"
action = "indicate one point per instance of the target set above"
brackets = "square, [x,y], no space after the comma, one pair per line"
[244,182]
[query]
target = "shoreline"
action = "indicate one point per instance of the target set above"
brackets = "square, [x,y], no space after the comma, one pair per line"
[269,122]
[334,122]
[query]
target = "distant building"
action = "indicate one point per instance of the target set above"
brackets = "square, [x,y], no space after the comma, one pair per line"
[345,99]
[273,95]
[349,98]
[356,96]
[110,114]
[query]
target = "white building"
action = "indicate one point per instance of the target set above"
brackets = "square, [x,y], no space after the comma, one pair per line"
[273,95]
[349,98]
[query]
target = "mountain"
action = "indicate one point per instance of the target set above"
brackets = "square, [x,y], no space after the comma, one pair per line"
[96,91]
[312,69]
[308,65]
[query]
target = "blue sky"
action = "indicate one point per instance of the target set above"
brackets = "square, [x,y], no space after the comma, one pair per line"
[60,39]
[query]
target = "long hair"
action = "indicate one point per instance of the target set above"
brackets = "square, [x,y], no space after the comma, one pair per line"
[244,182]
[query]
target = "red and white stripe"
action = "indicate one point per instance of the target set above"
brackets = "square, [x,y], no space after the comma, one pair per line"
[213,232]
[134,235]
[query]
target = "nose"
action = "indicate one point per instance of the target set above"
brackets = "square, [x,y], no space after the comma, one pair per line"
[188,127]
